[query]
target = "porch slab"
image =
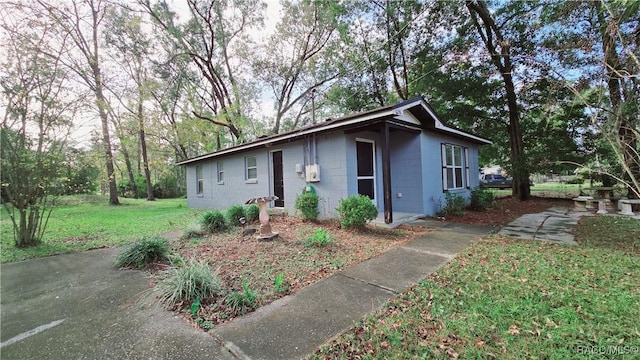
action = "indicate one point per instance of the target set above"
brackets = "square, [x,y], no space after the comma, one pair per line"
[398,219]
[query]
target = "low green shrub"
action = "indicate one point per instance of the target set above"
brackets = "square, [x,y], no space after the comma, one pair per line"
[454,205]
[239,302]
[575,180]
[320,238]
[481,199]
[355,211]
[144,252]
[234,214]
[307,203]
[213,222]
[252,212]
[193,281]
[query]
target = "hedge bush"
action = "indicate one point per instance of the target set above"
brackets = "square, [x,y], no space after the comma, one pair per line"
[481,199]
[355,211]
[307,203]
[252,212]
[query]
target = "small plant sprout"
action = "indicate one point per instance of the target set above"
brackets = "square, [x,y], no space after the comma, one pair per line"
[279,285]
[319,238]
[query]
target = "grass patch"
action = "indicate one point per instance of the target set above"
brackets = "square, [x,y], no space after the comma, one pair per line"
[88,222]
[610,232]
[512,299]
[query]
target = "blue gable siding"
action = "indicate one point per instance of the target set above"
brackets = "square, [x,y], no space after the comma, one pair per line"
[434,199]
[406,173]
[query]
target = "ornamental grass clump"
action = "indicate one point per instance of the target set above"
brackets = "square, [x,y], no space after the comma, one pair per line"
[213,222]
[239,302]
[235,214]
[355,211]
[144,252]
[193,281]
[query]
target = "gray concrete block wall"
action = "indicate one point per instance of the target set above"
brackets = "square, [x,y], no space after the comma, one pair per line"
[234,190]
[416,173]
[332,157]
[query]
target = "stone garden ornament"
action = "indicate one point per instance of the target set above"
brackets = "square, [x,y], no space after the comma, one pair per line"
[265,227]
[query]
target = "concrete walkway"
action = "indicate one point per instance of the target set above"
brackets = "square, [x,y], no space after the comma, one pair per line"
[295,325]
[555,225]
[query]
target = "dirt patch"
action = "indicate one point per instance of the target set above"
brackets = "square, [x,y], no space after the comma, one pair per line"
[507,209]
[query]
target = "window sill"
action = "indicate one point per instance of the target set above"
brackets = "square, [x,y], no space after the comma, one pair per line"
[220,182]
[251,181]
[199,195]
[456,190]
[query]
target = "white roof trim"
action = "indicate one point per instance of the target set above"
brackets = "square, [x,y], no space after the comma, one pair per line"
[441,126]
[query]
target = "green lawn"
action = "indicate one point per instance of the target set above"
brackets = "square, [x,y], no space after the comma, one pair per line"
[505,298]
[558,190]
[85,222]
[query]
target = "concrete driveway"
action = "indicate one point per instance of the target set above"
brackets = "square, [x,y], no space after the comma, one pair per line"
[77,306]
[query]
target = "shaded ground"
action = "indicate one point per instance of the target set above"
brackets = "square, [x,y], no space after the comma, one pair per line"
[507,209]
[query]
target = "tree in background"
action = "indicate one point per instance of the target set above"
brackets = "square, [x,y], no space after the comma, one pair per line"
[500,53]
[207,38]
[597,44]
[38,107]
[299,58]
[81,24]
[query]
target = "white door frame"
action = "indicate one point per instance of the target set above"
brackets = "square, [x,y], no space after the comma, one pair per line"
[373,177]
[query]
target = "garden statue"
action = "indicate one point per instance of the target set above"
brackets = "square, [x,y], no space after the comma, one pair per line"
[265,227]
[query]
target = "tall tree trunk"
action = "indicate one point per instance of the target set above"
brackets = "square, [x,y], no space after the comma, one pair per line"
[499,49]
[101,102]
[130,173]
[106,139]
[143,145]
[622,118]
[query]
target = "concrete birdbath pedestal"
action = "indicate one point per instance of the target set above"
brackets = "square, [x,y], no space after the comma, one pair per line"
[265,227]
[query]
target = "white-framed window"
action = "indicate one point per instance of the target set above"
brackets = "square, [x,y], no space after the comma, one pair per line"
[220,166]
[251,168]
[455,167]
[199,180]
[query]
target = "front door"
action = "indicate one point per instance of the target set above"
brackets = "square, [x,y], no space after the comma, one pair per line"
[366,155]
[278,178]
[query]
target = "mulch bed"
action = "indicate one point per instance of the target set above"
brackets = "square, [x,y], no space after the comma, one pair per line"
[508,209]
[242,259]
